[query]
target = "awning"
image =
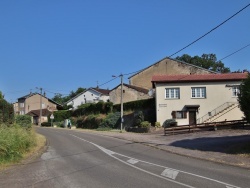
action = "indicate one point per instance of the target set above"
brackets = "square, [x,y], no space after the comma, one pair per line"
[192,107]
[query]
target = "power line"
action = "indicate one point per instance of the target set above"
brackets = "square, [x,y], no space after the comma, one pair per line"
[211,30]
[235,52]
[109,81]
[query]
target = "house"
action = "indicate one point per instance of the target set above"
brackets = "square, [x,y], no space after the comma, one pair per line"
[192,99]
[91,95]
[31,103]
[130,93]
[166,66]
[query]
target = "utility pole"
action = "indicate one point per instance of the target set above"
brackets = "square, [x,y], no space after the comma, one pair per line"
[40,117]
[121,100]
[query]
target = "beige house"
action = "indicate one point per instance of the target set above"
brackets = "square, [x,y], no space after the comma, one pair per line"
[130,93]
[32,103]
[166,66]
[192,99]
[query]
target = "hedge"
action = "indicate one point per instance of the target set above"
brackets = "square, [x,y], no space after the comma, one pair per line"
[61,115]
[95,108]
[24,121]
[6,112]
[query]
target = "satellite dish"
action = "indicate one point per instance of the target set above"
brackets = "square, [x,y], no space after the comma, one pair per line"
[151,92]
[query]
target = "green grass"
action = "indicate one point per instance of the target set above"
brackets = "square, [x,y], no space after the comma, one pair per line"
[14,142]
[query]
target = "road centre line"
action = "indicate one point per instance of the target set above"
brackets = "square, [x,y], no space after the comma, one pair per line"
[111,153]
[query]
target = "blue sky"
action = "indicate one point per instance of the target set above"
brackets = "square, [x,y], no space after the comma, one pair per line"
[61,45]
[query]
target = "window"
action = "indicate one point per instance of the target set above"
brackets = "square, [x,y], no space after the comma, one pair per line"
[198,92]
[179,114]
[172,93]
[21,105]
[236,91]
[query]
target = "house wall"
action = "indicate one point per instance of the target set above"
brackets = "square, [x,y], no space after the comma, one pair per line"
[129,94]
[216,94]
[90,96]
[165,67]
[33,103]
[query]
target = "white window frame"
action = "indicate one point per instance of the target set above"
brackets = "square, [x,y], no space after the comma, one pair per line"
[172,93]
[199,92]
[235,91]
[22,105]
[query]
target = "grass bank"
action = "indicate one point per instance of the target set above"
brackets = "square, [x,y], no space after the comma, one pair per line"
[15,141]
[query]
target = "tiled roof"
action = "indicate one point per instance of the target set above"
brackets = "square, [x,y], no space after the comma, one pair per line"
[102,91]
[140,89]
[199,77]
[45,112]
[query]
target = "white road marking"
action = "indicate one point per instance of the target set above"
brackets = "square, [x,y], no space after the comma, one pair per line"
[132,161]
[170,173]
[110,153]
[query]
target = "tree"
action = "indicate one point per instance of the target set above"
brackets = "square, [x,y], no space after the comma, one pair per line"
[244,98]
[207,61]
[61,100]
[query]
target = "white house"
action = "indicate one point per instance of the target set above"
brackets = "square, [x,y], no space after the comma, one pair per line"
[91,95]
[192,99]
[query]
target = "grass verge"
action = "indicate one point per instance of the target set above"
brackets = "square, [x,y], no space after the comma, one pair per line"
[17,144]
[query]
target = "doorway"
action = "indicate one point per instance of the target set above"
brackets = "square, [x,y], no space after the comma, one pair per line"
[192,117]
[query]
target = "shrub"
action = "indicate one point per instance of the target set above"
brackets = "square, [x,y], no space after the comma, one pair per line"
[169,122]
[61,115]
[138,118]
[6,112]
[15,141]
[112,120]
[100,107]
[46,124]
[24,121]
[89,122]
[145,124]
[157,124]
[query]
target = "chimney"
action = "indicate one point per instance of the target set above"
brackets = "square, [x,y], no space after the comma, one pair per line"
[44,94]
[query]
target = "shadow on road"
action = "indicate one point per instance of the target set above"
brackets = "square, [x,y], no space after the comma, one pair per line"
[225,144]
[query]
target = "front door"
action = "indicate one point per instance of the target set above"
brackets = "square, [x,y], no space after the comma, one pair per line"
[192,117]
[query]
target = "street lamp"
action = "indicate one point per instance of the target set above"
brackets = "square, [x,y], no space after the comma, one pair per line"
[121,76]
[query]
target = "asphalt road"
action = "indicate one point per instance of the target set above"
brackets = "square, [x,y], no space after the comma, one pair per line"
[79,159]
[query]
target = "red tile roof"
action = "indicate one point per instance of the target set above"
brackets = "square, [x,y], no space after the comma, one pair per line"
[199,77]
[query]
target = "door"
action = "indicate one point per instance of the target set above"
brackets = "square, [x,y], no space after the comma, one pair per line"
[192,117]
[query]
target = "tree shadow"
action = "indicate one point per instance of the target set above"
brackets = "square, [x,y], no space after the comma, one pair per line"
[224,144]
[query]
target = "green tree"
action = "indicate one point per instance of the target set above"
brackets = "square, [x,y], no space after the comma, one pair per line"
[244,98]
[207,61]
[61,100]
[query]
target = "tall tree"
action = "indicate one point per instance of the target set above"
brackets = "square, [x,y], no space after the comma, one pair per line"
[207,61]
[244,97]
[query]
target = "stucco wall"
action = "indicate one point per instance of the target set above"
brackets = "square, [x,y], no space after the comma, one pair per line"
[165,67]
[129,94]
[216,94]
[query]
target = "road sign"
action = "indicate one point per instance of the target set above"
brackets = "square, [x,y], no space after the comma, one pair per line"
[51,116]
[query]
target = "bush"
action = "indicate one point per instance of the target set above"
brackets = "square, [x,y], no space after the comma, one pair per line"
[15,141]
[61,115]
[46,124]
[100,107]
[6,111]
[145,124]
[169,122]
[112,120]
[157,124]
[138,118]
[24,121]
[244,98]
[89,122]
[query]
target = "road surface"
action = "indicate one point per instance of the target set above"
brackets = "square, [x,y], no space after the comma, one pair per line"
[79,159]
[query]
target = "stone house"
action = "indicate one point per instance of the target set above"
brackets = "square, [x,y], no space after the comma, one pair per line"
[130,93]
[32,103]
[166,66]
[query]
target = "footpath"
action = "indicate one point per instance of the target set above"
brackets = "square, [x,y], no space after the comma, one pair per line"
[207,145]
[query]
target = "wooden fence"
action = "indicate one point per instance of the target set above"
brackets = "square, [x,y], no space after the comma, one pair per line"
[205,126]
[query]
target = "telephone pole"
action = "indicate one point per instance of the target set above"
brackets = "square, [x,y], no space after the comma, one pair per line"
[40,117]
[121,100]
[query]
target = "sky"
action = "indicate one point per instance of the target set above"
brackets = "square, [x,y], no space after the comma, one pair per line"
[61,45]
